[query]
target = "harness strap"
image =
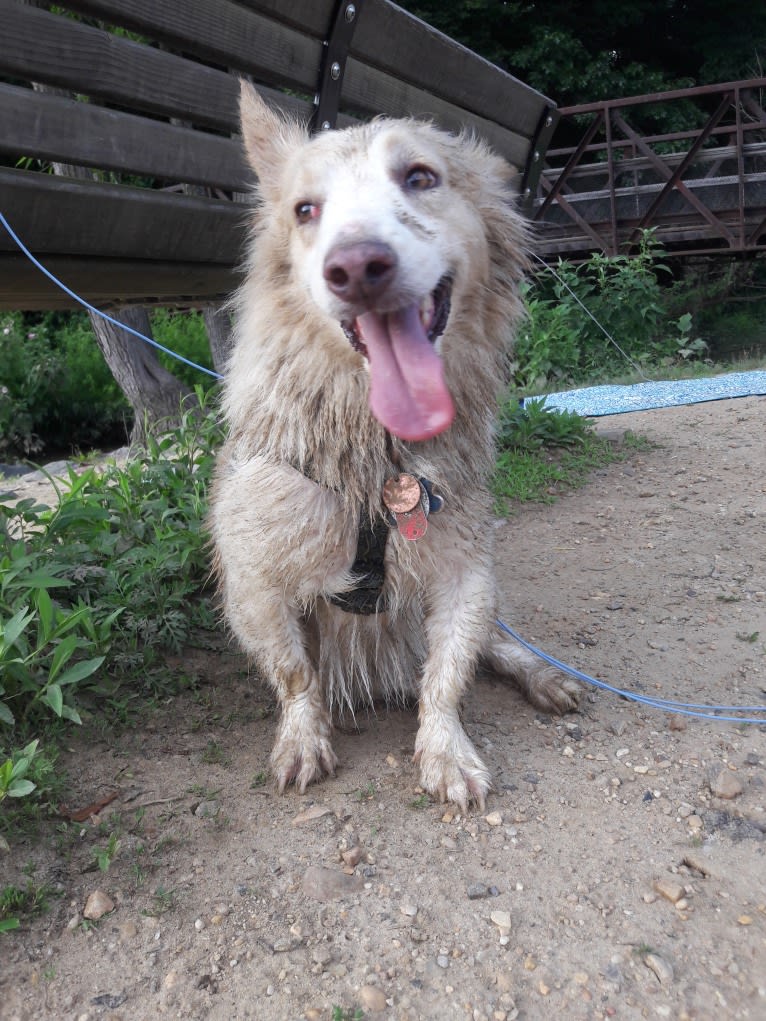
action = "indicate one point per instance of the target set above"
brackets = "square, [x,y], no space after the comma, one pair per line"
[368,568]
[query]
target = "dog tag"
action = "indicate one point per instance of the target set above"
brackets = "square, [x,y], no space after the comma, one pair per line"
[412,524]
[402,494]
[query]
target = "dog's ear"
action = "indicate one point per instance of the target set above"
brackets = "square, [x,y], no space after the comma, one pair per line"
[268,136]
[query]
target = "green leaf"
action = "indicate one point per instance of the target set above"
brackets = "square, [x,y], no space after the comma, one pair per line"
[70,713]
[45,609]
[81,670]
[16,625]
[20,788]
[6,924]
[54,697]
[6,716]
[63,653]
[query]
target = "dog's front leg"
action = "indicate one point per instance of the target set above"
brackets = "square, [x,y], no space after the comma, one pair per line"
[455,628]
[281,640]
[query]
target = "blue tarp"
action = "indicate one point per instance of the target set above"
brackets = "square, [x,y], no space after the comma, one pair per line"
[617,400]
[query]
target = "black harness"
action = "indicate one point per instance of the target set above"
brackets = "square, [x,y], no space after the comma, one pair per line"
[368,568]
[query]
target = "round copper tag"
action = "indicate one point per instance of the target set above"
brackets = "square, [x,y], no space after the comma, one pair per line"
[401,494]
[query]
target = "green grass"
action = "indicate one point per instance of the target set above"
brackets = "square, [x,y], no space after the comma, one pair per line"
[543,453]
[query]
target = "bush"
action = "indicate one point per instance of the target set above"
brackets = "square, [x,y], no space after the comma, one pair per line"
[100,584]
[57,392]
[561,342]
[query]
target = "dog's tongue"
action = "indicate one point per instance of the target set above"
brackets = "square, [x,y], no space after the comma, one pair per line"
[408,394]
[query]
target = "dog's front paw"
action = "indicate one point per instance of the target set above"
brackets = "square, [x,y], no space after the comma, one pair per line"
[450,768]
[302,754]
[551,691]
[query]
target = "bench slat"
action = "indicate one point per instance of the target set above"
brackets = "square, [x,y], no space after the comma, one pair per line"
[106,282]
[38,46]
[222,32]
[64,215]
[64,130]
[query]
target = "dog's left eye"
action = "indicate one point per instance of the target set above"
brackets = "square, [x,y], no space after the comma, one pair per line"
[306,211]
[420,178]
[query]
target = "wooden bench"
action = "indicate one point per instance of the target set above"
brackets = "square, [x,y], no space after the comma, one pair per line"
[155,104]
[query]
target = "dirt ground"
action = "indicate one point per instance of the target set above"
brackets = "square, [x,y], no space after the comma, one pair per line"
[619,870]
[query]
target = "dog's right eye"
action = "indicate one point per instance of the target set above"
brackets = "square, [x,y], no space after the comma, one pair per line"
[306,211]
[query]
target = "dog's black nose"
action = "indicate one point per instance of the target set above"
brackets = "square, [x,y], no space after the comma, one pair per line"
[360,272]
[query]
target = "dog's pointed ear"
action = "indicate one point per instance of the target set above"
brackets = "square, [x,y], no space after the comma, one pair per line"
[267,135]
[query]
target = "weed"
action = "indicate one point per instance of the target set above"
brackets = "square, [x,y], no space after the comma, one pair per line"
[214,754]
[367,793]
[163,900]
[643,949]
[542,452]
[347,1014]
[16,903]
[98,587]
[259,779]
[105,855]
[421,801]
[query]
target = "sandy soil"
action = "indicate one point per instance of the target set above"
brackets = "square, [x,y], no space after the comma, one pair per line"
[620,868]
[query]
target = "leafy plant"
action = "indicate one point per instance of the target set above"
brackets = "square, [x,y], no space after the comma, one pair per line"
[590,321]
[102,583]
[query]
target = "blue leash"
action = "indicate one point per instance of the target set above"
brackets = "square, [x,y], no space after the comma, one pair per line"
[706,712]
[98,312]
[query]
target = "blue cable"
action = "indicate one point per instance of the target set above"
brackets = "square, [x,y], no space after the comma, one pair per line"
[98,312]
[707,712]
[710,712]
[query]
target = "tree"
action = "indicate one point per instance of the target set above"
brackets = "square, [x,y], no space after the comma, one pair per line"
[583,52]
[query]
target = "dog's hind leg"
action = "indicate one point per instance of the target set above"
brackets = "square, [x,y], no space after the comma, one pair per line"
[545,687]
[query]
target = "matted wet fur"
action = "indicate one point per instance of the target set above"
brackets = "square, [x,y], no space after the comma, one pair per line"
[360,227]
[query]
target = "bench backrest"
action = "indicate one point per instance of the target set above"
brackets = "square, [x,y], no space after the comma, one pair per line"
[153,101]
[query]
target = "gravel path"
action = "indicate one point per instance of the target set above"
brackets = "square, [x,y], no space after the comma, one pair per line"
[620,868]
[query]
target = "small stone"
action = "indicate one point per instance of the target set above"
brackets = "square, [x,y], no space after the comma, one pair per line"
[313,1014]
[408,908]
[745,920]
[685,810]
[372,999]
[543,988]
[353,856]
[171,979]
[694,822]
[199,924]
[494,819]
[443,961]
[328,884]
[661,968]
[207,809]
[669,889]
[128,930]
[311,814]
[282,945]
[477,891]
[502,919]
[392,761]
[726,785]
[97,905]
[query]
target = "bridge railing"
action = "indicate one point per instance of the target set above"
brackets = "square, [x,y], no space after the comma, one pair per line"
[702,190]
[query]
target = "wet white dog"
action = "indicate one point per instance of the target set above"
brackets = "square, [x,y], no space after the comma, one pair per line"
[350,513]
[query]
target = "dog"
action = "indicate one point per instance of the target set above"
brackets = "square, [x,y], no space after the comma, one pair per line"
[350,514]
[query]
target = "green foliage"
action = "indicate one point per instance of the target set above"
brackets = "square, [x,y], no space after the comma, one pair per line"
[100,585]
[590,321]
[185,333]
[57,389]
[55,384]
[542,453]
[16,902]
[579,53]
